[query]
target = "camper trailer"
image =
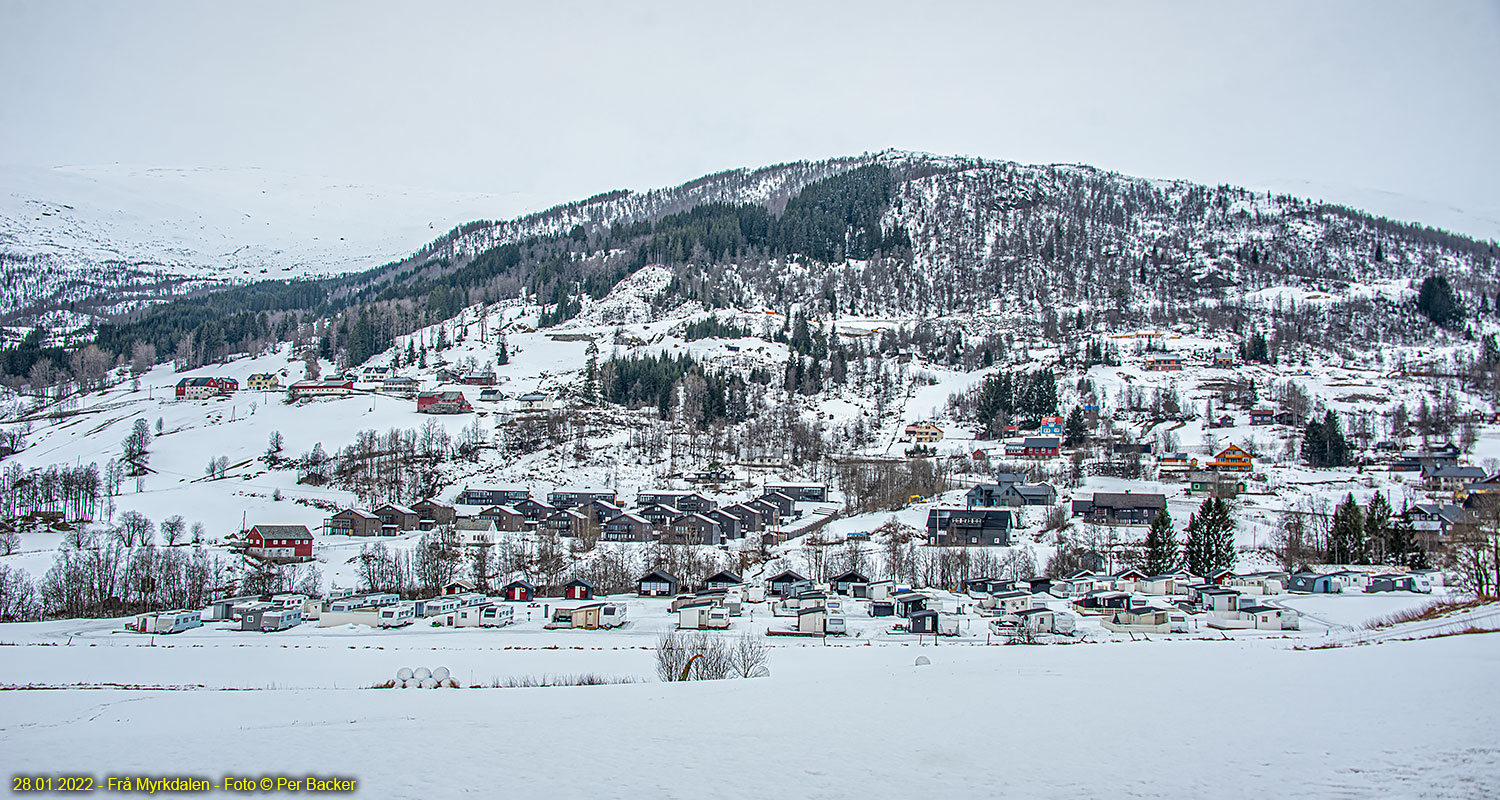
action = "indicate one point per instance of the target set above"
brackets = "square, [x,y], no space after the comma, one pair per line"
[433,606]
[397,615]
[702,615]
[612,615]
[496,616]
[167,622]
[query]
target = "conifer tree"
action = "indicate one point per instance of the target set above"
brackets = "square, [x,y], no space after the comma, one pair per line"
[1210,542]
[1437,302]
[502,351]
[589,394]
[1401,546]
[1346,537]
[1378,527]
[1075,431]
[1163,554]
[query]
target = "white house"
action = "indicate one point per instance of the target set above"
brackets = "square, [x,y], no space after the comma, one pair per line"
[533,402]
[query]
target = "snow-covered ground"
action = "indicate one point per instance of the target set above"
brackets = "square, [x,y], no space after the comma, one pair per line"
[1118,718]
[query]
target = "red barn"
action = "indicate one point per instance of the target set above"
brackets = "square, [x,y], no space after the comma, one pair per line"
[289,542]
[443,403]
[579,590]
[519,591]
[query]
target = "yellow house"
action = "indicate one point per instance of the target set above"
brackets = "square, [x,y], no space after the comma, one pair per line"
[262,381]
[924,432]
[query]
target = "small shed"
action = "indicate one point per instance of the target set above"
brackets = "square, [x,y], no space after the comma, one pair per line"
[519,591]
[923,622]
[882,608]
[879,590]
[579,590]
[908,603]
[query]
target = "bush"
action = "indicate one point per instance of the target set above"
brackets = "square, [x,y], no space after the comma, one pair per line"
[703,656]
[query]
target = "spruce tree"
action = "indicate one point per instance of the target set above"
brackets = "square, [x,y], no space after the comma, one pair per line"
[1437,302]
[1163,554]
[502,352]
[1210,542]
[1346,537]
[590,392]
[1314,444]
[1075,430]
[1377,530]
[1400,545]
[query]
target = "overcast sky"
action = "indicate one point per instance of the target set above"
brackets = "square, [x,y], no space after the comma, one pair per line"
[560,100]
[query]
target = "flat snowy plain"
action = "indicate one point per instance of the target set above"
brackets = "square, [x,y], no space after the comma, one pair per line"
[1247,714]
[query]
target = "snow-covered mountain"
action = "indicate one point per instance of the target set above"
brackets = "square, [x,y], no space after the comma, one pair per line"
[102,237]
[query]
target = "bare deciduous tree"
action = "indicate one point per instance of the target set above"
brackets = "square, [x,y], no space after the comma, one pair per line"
[172,530]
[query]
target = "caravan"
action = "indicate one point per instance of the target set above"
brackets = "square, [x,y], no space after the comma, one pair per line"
[496,616]
[397,615]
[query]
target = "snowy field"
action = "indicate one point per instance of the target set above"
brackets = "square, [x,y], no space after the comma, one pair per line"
[1171,717]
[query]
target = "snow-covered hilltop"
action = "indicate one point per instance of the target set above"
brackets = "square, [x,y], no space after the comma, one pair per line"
[88,237]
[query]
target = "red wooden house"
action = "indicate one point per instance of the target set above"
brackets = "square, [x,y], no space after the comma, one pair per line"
[289,542]
[199,388]
[1034,447]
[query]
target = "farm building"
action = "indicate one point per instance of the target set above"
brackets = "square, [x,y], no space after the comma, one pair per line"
[279,542]
[451,402]
[303,390]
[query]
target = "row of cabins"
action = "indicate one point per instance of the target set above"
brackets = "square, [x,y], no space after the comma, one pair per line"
[670,516]
[391,519]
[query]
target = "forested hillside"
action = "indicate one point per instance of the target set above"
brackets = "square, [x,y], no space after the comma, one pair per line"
[898,235]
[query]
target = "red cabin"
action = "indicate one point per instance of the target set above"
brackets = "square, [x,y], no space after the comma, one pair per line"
[519,592]
[579,590]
